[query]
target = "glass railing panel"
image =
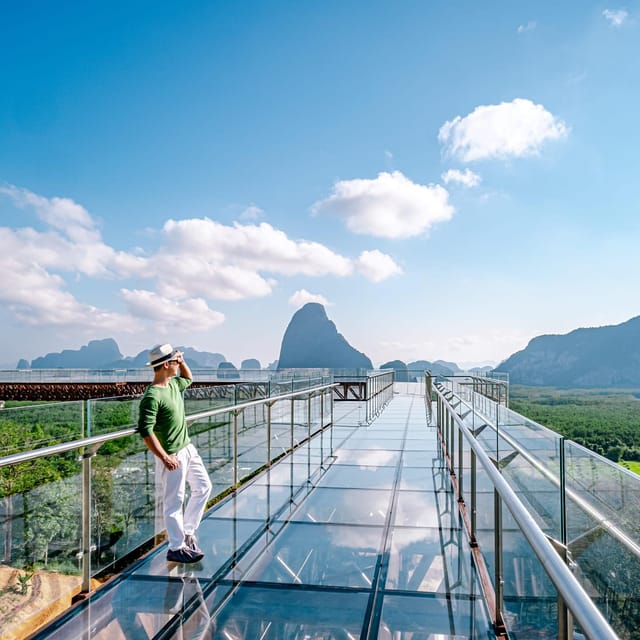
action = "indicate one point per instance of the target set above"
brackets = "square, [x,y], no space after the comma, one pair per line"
[123,500]
[40,425]
[252,445]
[213,438]
[601,519]
[610,572]
[608,488]
[247,391]
[530,598]
[539,493]
[40,526]
[280,427]
[280,387]
[123,492]
[602,496]
[106,415]
[197,399]
[300,417]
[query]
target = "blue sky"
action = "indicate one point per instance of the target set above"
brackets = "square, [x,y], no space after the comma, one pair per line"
[450,179]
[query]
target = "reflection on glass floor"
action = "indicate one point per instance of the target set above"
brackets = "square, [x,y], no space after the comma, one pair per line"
[362,541]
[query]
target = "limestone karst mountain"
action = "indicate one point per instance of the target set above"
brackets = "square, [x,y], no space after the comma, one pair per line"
[311,340]
[589,357]
[90,356]
[105,354]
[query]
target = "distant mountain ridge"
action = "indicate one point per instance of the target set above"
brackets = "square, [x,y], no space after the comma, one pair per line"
[97,351]
[606,356]
[105,354]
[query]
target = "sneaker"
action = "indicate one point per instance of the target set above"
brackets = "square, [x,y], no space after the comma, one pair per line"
[183,555]
[191,542]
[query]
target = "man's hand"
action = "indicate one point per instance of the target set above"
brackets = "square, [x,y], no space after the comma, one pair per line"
[185,372]
[171,463]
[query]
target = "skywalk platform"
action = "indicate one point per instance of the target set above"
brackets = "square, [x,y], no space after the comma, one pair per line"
[357,538]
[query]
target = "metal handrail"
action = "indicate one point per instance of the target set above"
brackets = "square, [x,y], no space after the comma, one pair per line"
[90,445]
[602,520]
[251,403]
[577,600]
[97,441]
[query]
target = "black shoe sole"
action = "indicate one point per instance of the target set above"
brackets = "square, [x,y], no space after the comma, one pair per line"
[195,557]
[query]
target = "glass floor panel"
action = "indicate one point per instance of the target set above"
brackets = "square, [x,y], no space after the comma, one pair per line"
[430,560]
[279,613]
[420,479]
[312,554]
[386,444]
[367,457]
[436,618]
[417,509]
[423,458]
[367,477]
[345,506]
[355,536]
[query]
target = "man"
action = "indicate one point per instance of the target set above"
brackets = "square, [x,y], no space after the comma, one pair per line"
[163,427]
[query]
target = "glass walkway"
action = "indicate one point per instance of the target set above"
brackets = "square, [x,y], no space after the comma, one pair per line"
[353,535]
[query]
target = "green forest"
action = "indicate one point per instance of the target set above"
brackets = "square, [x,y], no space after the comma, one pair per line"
[606,421]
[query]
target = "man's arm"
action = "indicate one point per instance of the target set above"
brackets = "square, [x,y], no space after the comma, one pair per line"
[185,371]
[153,444]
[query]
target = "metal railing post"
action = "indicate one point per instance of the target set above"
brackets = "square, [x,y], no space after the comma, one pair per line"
[235,449]
[322,425]
[460,468]
[452,447]
[563,494]
[565,620]
[474,487]
[86,522]
[498,579]
[86,506]
[331,414]
[309,435]
[269,404]
[292,420]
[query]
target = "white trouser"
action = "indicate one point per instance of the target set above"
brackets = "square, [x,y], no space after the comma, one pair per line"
[173,487]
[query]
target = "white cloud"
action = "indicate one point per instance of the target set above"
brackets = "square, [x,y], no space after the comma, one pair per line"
[251,247]
[389,206]
[466,178]
[616,17]
[251,213]
[301,297]
[199,260]
[60,213]
[377,266]
[73,244]
[165,312]
[509,129]
[37,297]
[530,26]
[33,287]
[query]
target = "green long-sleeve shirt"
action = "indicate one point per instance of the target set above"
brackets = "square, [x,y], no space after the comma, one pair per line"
[162,412]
